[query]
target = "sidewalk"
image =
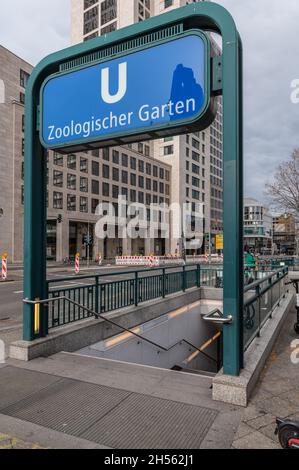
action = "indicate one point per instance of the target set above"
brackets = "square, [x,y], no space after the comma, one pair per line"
[276,395]
[70,401]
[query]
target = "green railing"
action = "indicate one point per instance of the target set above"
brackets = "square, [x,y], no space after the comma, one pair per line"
[109,292]
[129,288]
[261,298]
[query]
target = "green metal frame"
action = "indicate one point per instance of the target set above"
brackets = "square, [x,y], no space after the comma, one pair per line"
[204,16]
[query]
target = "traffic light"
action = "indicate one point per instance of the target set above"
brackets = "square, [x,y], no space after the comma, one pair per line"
[59,219]
[88,239]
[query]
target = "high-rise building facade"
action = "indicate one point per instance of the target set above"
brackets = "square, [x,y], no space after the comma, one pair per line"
[196,160]
[77,183]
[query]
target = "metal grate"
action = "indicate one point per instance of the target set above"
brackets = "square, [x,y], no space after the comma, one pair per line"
[126,46]
[109,416]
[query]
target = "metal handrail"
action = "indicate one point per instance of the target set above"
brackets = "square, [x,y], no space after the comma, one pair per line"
[221,319]
[123,328]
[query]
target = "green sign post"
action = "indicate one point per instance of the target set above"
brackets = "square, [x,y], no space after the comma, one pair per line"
[226,79]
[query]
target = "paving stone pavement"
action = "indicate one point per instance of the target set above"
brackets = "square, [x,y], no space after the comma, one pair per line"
[10,443]
[276,395]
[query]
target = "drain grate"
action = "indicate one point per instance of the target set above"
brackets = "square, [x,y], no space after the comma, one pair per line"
[144,422]
[17,384]
[68,406]
[108,416]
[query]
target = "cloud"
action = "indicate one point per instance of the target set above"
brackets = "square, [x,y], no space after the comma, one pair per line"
[34,28]
[271,122]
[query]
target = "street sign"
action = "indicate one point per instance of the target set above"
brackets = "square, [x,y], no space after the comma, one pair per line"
[118,98]
[219,241]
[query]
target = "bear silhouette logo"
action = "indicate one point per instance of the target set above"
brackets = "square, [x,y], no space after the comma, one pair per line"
[185,87]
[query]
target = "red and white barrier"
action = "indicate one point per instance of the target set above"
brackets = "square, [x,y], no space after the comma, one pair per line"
[156,261]
[77,264]
[4,268]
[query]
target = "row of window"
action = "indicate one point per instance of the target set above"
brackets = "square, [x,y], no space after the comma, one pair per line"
[117,159]
[142,182]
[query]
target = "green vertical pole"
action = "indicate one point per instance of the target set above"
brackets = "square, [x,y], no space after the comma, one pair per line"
[233,206]
[35,187]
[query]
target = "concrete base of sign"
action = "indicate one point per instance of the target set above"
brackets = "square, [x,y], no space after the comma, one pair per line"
[237,390]
[79,335]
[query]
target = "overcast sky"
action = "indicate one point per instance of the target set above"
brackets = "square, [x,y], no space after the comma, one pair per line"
[269,29]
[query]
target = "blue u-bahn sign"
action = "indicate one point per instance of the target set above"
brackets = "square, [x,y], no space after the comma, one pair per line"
[137,96]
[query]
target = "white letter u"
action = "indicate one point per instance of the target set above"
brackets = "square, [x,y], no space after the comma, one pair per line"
[122,84]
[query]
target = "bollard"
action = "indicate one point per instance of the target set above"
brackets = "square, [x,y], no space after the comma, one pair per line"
[77,264]
[4,266]
[100,259]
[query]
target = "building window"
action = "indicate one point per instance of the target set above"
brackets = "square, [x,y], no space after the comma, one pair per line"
[124,192]
[133,179]
[161,173]
[22,195]
[108,29]
[124,177]
[57,200]
[148,169]
[168,3]
[155,171]
[83,165]
[115,157]
[115,191]
[140,148]
[22,98]
[147,150]
[155,186]
[23,147]
[106,189]
[115,174]
[58,159]
[83,204]
[141,166]
[91,20]
[95,168]
[58,178]
[94,205]
[84,185]
[24,77]
[95,187]
[148,184]
[72,162]
[71,181]
[148,199]
[133,195]
[161,187]
[108,11]
[106,172]
[133,163]
[125,160]
[106,154]
[71,203]
[167,175]
[168,150]
[141,182]
[89,3]
[141,197]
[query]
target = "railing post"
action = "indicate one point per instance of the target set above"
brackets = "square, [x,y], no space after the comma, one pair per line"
[163,283]
[97,299]
[198,275]
[136,289]
[184,279]
[271,292]
[258,293]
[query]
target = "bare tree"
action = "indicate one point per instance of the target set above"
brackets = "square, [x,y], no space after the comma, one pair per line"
[284,191]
